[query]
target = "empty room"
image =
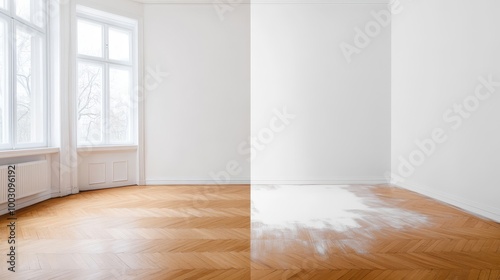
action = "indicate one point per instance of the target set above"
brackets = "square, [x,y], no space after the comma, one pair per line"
[249,139]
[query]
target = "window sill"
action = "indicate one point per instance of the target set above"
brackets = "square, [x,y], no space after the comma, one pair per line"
[28,152]
[90,149]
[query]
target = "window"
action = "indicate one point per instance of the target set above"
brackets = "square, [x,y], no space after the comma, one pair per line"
[106,73]
[23,68]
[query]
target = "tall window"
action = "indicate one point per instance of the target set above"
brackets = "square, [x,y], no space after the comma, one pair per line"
[106,71]
[23,68]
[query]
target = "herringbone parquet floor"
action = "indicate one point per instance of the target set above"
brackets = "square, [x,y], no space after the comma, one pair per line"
[174,232]
[276,232]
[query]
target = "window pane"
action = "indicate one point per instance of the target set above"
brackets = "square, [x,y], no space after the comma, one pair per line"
[3,4]
[4,92]
[119,44]
[30,109]
[23,9]
[120,109]
[31,10]
[89,103]
[89,38]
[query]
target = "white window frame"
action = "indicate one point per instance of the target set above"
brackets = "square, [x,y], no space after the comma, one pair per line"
[14,22]
[108,20]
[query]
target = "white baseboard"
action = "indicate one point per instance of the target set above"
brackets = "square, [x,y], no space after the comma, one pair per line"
[194,182]
[473,207]
[27,201]
[62,194]
[334,181]
[110,186]
[337,181]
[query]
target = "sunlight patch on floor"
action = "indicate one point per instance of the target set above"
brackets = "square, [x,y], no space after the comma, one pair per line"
[316,213]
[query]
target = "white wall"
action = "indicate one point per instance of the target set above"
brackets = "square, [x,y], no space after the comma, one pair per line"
[440,48]
[196,117]
[341,130]
[127,8]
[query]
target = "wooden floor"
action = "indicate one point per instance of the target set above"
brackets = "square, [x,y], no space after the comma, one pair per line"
[375,233]
[259,232]
[135,233]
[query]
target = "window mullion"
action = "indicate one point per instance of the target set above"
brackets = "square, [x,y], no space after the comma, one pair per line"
[100,59]
[107,85]
[32,7]
[106,103]
[13,78]
[106,42]
[47,77]
[5,12]
[9,52]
